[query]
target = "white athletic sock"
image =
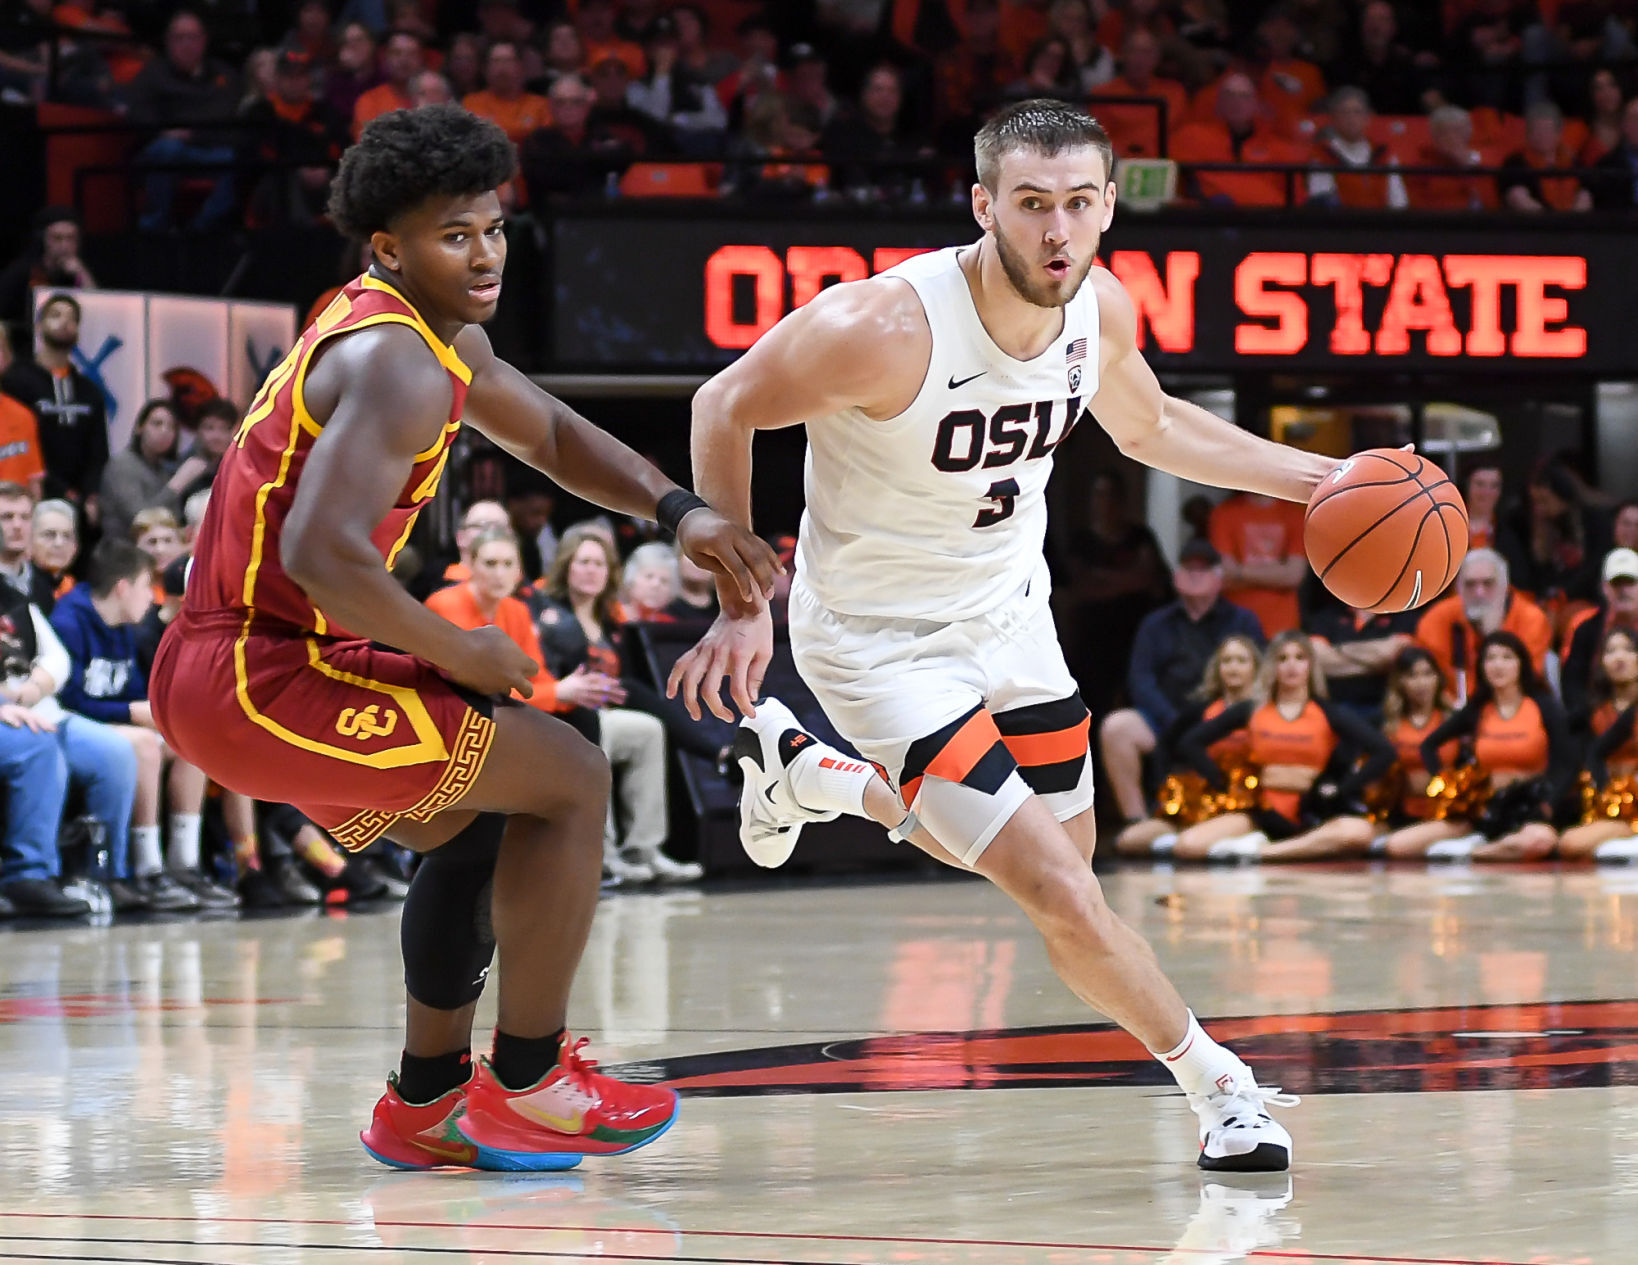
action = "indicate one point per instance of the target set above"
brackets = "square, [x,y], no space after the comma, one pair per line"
[1200,1065]
[826,781]
[184,841]
[145,858]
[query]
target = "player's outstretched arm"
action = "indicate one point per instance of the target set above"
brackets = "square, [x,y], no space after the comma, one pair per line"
[386,399]
[1178,437]
[545,433]
[865,345]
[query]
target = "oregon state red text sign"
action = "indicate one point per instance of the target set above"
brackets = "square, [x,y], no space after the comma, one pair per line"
[1383,297]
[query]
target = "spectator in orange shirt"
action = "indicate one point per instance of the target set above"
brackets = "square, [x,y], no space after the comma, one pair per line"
[487,598]
[1521,188]
[1289,85]
[20,446]
[1260,539]
[1484,602]
[1344,143]
[968,78]
[1135,130]
[1450,144]
[1235,136]
[595,23]
[401,60]
[503,100]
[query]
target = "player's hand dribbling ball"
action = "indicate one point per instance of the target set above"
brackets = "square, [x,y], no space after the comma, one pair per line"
[1386,530]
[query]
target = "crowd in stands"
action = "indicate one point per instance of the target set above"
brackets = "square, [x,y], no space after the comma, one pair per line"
[1268,722]
[94,550]
[1521,105]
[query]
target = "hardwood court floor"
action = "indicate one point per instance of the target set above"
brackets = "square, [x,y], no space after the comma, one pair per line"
[875,1073]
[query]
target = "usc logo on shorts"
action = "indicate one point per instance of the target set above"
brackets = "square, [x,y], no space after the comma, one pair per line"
[367,722]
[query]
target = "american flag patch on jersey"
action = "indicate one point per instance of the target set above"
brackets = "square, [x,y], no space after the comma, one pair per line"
[1076,350]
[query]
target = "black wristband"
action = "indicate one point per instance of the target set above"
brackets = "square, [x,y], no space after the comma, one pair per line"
[674,506]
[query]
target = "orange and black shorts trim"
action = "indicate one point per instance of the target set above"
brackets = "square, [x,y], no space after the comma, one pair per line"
[1049,743]
[968,750]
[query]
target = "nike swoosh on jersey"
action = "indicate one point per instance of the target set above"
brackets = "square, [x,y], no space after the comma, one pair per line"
[954,384]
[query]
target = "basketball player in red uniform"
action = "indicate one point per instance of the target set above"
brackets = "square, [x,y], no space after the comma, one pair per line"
[277,678]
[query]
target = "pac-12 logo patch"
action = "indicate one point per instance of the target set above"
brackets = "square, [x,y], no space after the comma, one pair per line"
[1074,379]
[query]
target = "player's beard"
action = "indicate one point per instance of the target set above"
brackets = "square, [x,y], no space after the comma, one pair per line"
[59,341]
[1026,280]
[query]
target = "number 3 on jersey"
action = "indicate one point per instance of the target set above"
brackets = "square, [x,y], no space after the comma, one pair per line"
[1004,492]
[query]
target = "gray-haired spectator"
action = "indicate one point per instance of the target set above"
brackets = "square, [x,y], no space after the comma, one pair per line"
[1484,602]
[650,583]
[1522,186]
[430,88]
[193,516]
[1344,143]
[56,544]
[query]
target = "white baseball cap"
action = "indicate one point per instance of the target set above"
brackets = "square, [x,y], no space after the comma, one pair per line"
[1620,564]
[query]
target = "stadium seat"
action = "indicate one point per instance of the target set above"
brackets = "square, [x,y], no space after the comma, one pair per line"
[671,180]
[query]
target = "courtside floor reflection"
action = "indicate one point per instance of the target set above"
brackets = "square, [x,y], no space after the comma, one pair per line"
[882,1072]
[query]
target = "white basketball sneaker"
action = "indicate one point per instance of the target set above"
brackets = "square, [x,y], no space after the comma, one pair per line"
[1236,1134]
[766,747]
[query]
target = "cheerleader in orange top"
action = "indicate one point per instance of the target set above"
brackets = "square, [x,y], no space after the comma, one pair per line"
[1606,830]
[1310,776]
[1230,677]
[1412,709]
[1520,738]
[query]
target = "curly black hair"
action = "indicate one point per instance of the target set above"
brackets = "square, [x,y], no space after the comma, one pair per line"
[405,157]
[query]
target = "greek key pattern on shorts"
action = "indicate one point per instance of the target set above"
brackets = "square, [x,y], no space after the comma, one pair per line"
[471,748]
[465,763]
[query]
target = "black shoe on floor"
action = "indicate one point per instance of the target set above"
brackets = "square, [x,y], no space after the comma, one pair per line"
[359,882]
[210,894]
[394,886]
[293,885]
[41,898]
[165,895]
[260,891]
[127,898]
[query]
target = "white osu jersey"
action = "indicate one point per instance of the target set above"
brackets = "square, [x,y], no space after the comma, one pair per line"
[940,513]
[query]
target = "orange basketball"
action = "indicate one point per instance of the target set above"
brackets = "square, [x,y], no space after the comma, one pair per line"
[1386,530]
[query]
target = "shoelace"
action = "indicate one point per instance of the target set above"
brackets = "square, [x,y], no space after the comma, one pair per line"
[579,1069]
[1269,1096]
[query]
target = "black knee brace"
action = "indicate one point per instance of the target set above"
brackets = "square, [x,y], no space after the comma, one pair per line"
[446,936]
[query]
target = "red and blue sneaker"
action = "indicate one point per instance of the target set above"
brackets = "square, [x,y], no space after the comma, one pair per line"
[571,1112]
[410,1135]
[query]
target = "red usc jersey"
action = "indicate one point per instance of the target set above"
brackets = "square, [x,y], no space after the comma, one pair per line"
[236,562]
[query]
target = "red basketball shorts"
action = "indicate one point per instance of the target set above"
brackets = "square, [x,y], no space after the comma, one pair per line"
[352,735]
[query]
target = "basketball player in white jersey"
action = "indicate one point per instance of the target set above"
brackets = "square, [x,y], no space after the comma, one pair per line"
[934,395]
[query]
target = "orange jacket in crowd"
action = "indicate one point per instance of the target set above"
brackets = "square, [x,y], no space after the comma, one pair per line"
[459,606]
[518,117]
[1446,621]
[1211,143]
[1447,193]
